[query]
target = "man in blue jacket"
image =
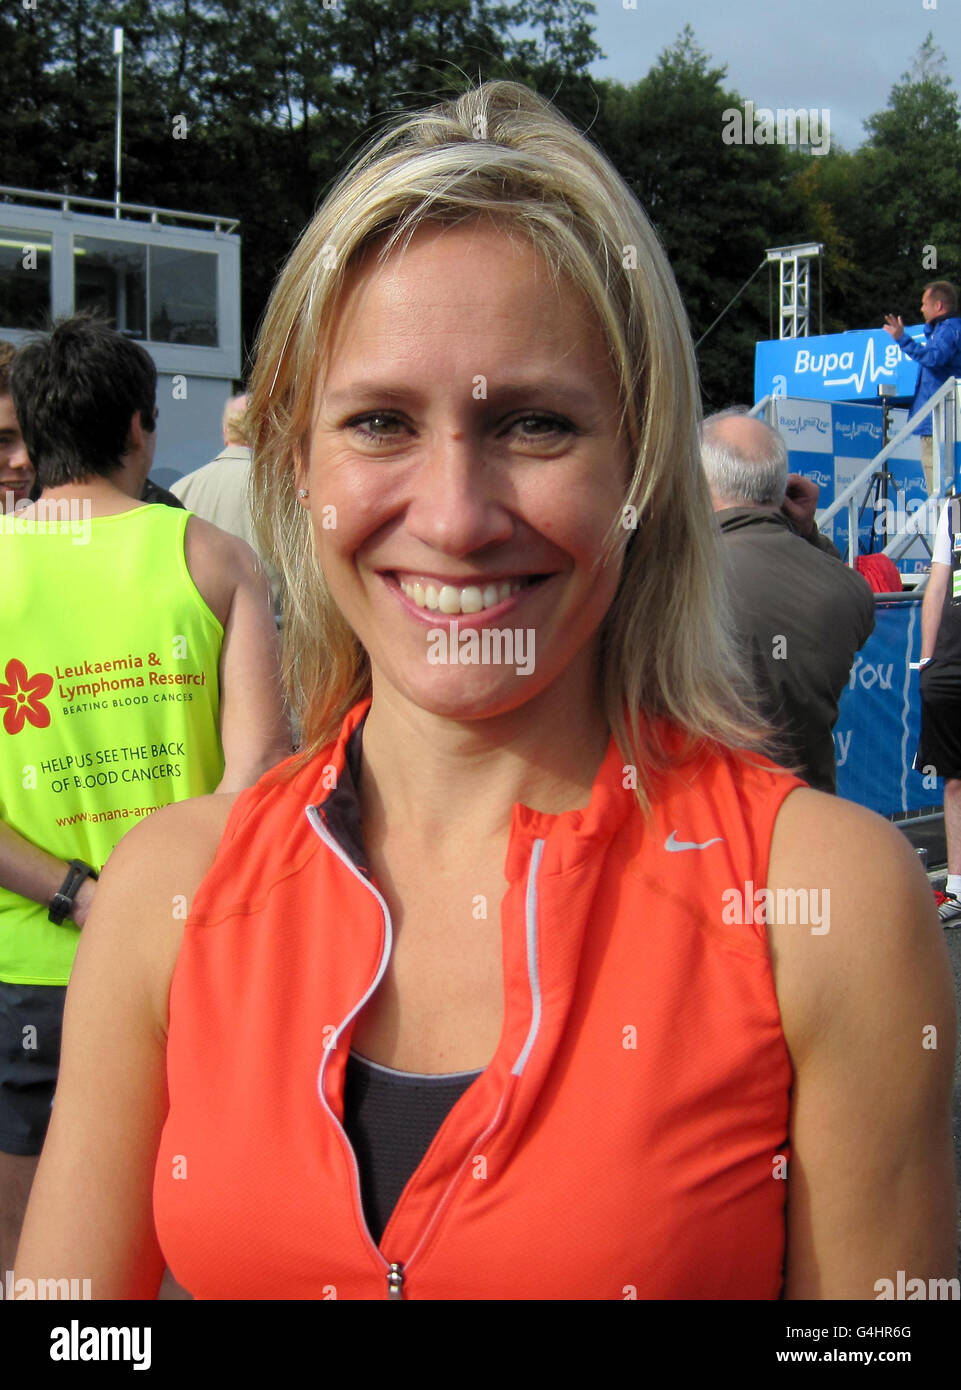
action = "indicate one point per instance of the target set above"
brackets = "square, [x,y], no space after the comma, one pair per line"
[938,356]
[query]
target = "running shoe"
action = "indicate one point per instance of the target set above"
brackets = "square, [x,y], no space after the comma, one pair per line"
[949,908]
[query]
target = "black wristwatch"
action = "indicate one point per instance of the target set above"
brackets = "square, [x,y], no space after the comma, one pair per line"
[61,904]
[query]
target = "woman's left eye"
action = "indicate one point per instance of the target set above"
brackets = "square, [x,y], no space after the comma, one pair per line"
[542,426]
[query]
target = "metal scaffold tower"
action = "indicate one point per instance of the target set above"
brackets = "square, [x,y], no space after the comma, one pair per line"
[794,291]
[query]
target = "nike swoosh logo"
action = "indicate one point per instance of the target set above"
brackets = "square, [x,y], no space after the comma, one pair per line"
[672,843]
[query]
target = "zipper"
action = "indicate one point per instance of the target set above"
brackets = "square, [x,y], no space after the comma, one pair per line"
[395,1271]
[530,913]
[395,1277]
[448,1193]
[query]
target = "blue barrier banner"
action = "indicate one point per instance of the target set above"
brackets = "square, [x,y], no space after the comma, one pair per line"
[831,442]
[835,366]
[876,735]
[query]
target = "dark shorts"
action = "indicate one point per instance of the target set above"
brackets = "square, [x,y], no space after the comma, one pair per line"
[939,746]
[31,1017]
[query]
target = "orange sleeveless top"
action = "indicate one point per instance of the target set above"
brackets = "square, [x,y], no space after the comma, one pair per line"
[627,1139]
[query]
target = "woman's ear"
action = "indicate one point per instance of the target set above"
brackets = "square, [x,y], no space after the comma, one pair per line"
[300,475]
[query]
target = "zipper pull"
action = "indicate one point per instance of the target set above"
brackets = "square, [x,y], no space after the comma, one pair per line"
[395,1281]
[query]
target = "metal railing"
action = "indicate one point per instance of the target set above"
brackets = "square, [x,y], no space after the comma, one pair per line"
[67,201]
[848,497]
[766,410]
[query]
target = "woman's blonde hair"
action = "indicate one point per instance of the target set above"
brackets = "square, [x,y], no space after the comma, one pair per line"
[502,151]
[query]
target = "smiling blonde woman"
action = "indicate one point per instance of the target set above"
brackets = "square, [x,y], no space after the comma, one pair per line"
[478,996]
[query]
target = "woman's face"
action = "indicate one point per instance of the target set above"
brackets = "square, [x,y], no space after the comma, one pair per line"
[464,467]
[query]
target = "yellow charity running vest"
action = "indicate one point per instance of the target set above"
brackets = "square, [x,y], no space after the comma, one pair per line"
[109,698]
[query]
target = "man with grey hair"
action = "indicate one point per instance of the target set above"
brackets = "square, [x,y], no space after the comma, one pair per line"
[802,615]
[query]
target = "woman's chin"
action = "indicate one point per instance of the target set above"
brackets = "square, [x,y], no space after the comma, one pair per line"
[460,692]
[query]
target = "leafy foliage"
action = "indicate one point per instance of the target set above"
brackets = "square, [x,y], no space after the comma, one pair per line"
[276,95]
[892,205]
[716,206]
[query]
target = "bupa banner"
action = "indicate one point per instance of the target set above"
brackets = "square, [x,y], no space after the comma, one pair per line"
[835,366]
[876,735]
[831,443]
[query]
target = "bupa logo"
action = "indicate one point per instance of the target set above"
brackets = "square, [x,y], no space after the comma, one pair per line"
[824,363]
[797,424]
[21,697]
[853,429]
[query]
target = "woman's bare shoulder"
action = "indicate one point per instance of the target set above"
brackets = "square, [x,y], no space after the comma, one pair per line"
[175,843]
[866,999]
[855,907]
[146,889]
[839,845]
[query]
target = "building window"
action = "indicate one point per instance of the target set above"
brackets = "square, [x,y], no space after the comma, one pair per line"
[183,296]
[111,276]
[172,291]
[24,278]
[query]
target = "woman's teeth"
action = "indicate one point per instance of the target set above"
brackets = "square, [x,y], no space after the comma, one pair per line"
[473,599]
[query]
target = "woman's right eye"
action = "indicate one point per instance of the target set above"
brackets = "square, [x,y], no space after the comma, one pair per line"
[379,419]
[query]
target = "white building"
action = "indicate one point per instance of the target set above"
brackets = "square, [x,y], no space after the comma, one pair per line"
[170,280]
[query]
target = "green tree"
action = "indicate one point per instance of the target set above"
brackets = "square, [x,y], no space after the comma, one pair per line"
[28,135]
[716,206]
[819,188]
[895,200]
[278,97]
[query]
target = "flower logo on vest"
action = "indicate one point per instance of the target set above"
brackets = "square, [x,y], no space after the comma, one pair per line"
[21,699]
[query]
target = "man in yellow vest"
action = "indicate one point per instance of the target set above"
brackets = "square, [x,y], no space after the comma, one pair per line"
[138,666]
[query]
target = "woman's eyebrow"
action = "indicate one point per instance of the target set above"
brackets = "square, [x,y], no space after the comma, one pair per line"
[571,390]
[365,388]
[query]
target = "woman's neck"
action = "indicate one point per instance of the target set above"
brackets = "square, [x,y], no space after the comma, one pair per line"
[426,772]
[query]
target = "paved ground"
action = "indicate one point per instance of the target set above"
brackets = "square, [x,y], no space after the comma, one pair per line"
[953,939]
[928,835]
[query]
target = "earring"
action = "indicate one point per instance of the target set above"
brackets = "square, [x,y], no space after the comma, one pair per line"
[303,492]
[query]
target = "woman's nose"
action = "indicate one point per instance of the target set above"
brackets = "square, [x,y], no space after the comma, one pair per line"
[456,507]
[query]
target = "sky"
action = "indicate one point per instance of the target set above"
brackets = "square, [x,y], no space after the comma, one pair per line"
[839,55]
